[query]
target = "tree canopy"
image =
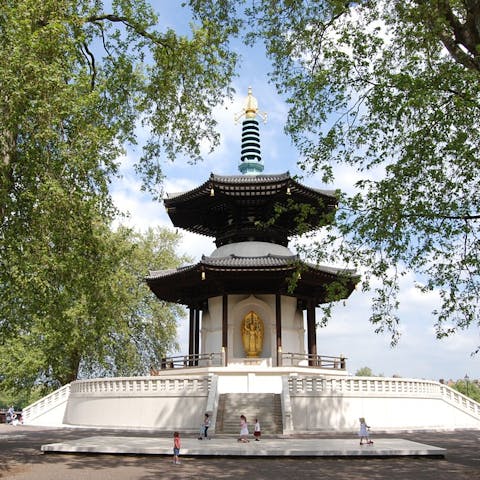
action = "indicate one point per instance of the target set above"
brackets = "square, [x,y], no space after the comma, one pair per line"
[469,388]
[391,91]
[364,372]
[94,315]
[77,78]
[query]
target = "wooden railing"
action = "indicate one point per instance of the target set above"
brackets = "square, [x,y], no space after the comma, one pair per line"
[194,360]
[218,360]
[308,360]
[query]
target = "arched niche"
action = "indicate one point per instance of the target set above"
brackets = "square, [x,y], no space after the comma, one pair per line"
[265,312]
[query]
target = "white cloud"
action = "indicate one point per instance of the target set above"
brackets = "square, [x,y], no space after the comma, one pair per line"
[142,212]
[418,353]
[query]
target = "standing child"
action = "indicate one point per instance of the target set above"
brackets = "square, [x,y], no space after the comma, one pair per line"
[206,424]
[176,447]
[257,432]
[363,433]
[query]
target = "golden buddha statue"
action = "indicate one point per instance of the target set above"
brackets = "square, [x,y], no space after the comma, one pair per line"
[252,334]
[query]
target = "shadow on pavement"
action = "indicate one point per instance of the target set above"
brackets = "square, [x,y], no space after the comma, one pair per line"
[23,460]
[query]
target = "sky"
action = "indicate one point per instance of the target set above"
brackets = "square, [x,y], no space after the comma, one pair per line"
[418,353]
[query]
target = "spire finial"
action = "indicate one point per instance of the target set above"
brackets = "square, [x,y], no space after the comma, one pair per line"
[250,159]
[251,108]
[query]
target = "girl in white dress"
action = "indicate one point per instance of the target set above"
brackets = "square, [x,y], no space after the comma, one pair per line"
[243,429]
[363,433]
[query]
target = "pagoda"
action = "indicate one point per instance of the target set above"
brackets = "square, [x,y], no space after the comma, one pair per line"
[251,302]
[247,298]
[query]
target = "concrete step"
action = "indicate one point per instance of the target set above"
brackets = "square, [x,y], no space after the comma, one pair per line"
[265,407]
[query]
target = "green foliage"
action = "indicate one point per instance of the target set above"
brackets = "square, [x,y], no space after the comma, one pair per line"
[19,399]
[74,85]
[364,372]
[77,76]
[470,389]
[391,92]
[95,318]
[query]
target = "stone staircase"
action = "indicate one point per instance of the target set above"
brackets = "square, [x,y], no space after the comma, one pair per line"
[264,406]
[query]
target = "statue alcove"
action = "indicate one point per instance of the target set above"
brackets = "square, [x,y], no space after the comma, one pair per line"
[252,307]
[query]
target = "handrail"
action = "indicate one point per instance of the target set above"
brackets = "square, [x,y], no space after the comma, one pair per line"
[191,360]
[313,360]
[217,359]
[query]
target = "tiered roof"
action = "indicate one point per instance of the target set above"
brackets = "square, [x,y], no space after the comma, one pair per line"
[251,207]
[240,211]
[268,274]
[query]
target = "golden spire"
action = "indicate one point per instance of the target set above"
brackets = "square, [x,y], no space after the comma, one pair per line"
[251,108]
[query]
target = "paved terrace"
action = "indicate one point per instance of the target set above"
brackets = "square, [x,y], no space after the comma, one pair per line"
[230,447]
[407,455]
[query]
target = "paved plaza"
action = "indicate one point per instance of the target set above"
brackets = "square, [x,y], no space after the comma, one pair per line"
[22,457]
[228,447]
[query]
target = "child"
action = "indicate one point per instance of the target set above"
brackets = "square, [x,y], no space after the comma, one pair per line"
[204,428]
[176,447]
[206,424]
[363,433]
[243,429]
[257,433]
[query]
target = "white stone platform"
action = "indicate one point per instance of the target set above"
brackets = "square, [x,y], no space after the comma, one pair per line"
[276,447]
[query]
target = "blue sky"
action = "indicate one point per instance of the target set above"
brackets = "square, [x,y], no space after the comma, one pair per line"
[418,354]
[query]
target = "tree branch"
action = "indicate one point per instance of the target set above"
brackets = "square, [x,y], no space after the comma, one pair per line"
[453,34]
[91,62]
[433,216]
[127,22]
[464,34]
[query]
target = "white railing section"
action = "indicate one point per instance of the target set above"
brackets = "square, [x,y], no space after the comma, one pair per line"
[382,386]
[46,403]
[139,385]
[458,399]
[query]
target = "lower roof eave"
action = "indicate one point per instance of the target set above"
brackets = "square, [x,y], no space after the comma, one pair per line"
[195,284]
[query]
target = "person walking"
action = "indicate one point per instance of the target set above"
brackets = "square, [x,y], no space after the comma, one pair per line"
[243,429]
[176,447]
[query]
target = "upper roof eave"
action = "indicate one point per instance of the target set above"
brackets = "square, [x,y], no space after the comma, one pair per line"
[231,181]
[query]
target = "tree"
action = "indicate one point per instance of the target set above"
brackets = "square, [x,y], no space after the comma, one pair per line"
[77,78]
[470,389]
[364,372]
[75,84]
[98,316]
[391,91]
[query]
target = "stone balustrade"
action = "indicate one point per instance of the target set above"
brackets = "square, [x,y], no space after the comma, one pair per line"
[46,404]
[139,385]
[380,386]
